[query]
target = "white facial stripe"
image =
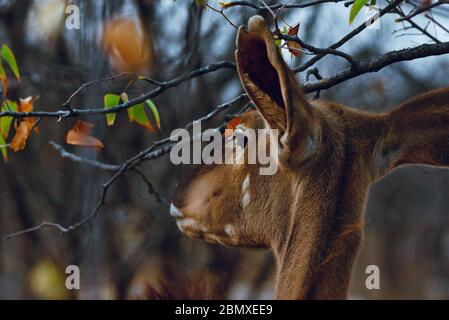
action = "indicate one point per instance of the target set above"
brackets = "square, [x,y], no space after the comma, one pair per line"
[175,212]
[245,184]
[246,197]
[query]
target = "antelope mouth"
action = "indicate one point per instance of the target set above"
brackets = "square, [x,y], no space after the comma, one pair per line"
[258,60]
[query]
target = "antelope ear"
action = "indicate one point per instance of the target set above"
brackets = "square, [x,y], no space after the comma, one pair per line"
[268,81]
[417,132]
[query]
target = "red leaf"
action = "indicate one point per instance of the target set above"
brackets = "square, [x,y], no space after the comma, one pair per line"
[79,135]
[293,46]
[232,125]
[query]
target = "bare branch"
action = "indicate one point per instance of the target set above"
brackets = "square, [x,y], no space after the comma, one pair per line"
[415,25]
[150,186]
[315,49]
[87,84]
[349,36]
[163,86]
[420,10]
[425,50]
[280,5]
[222,13]
[36,228]
[429,16]
[73,157]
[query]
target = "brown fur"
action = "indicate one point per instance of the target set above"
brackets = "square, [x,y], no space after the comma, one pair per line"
[310,212]
[199,286]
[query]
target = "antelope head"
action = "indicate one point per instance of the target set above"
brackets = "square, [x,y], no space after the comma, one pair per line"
[310,211]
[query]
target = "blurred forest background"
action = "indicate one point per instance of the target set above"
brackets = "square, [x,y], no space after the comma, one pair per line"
[133,240]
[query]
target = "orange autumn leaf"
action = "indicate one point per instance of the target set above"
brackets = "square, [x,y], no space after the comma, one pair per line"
[27,105]
[24,127]
[23,132]
[232,125]
[128,45]
[293,46]
[80,135]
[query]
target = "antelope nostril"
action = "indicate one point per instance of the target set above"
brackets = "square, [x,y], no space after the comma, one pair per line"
[175,212]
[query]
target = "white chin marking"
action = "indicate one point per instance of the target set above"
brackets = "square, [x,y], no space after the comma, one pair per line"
[175,212]
[187,223]
[191,224]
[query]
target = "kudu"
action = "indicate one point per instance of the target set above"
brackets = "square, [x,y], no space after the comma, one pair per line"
[310,213]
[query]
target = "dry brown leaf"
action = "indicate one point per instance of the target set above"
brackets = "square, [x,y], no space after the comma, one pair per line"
[128,45]
[80,135]
[24,127]
[22,134]
[294,47]
[27,105]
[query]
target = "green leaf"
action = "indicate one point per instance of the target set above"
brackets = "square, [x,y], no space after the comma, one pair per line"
[3,81]
[5,122]
[111,100]
[355,9]
[277,42]
[124,97]
[2,71]
[155,112]
[12,105]
[139,116]
[3,148]
[373,2]
[9,58]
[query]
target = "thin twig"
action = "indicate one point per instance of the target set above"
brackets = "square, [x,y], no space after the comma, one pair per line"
[87,84]
[316,50]
[251,4]
[222,13]
[425,50]
[415,25]
[428,16]
[420,10]
[349,36]
[36,228]
[73,157]
[150,186]
[121,107]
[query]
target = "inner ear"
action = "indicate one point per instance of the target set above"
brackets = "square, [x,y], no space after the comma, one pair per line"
[254,62]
